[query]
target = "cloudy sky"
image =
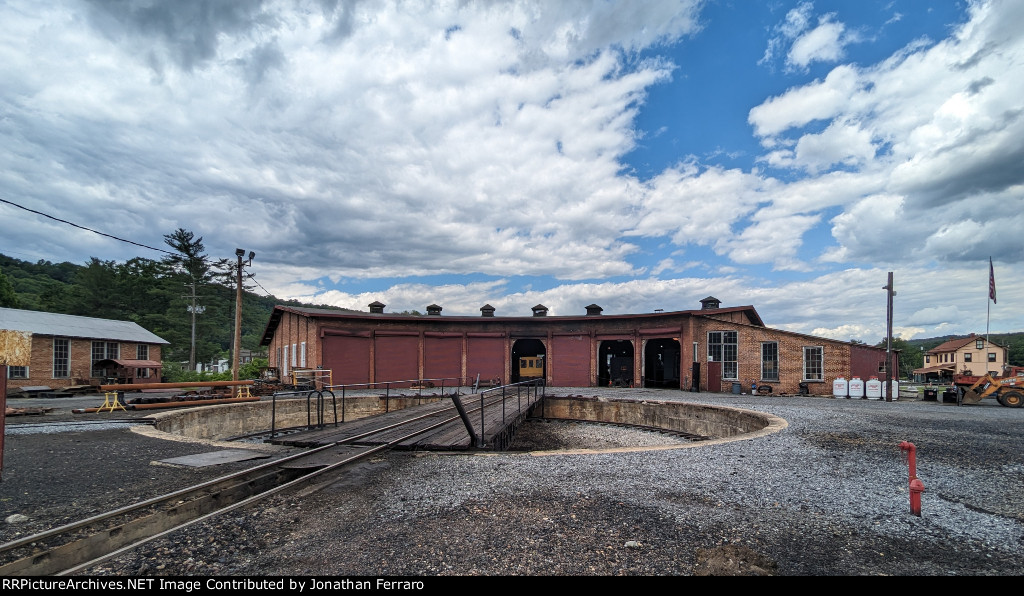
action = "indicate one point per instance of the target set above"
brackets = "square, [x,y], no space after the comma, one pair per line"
[639,155]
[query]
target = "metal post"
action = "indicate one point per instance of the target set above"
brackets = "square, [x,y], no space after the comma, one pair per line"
[888,339]
[273,414]
[238,316]
[465,420]
[481,439]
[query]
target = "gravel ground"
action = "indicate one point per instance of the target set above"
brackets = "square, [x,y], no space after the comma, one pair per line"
[828,495]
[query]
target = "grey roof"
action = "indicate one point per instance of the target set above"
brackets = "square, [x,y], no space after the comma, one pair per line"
[48,323]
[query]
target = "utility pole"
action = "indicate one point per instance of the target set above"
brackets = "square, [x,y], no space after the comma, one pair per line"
[194,309]
[890,292]
[238,312]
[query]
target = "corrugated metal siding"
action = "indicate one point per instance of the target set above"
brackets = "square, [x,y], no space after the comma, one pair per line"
[570,361]
[486,357]
[396,358]
[348,358]
[442,357]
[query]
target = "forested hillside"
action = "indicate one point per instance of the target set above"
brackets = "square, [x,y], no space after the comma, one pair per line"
[156,294]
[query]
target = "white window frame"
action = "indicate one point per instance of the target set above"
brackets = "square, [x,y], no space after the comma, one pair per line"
[821,364]
[765,377]
[730,368]
[66,365]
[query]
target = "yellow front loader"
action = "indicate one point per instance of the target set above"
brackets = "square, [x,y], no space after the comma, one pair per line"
[1008,391]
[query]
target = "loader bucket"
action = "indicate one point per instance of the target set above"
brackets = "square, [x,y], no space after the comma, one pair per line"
[971,397]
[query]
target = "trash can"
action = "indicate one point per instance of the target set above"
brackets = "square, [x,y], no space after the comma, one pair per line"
[931,394]
[737,388]
[804,389]
[949,397]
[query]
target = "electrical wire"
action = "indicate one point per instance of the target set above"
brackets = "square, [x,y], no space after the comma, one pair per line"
[83,227]
[111,236]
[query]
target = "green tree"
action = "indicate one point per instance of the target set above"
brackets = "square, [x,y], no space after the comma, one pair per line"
[910,356]
[200,306]
[96,290]
[8,299]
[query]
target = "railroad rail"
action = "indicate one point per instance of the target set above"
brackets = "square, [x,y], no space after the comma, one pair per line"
[80,545]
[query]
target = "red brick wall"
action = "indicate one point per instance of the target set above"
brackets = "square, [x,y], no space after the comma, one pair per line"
[837,357]
[79,365]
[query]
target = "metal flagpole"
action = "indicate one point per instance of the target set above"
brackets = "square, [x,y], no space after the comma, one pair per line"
[991,295]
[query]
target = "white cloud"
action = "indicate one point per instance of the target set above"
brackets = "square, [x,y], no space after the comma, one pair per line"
[824,43]
[816,101]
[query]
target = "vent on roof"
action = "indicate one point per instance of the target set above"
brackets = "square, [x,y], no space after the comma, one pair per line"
[710,303]
[434,309]
[593,310]
[487,310]
[540,311]
[377,308]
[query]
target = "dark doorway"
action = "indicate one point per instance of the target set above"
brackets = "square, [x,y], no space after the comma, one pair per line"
[527,360]
[661,363]
[615,364]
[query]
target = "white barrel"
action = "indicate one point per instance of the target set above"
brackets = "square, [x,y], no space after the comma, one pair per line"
[840,388]
[856,388]
[873,388]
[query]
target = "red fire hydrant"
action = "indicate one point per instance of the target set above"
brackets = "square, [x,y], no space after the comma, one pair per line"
[916,486]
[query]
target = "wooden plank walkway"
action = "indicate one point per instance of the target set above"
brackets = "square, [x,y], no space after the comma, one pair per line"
[438,424]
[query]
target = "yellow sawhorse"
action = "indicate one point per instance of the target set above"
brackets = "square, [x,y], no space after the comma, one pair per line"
[111,405]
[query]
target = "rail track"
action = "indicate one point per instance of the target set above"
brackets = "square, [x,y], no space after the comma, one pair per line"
[77,546]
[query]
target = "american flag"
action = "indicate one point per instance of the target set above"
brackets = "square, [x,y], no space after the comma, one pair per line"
[991,282]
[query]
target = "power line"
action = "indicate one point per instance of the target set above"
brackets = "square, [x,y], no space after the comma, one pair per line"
[83,227]
[257,283]
[111,236]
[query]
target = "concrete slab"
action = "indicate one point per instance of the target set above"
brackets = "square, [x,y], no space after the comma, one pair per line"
[215,458]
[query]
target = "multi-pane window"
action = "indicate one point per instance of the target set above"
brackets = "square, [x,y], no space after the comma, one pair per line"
[61,358]
[142,352]
[17,372]
[814,366]
[104,350]
[967,357]
[991,356]
[722,347]
[770,361]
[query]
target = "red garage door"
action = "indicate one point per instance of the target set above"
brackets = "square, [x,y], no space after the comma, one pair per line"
[442,357]
[570,361]
[486,357]
[348,358]
[396,358]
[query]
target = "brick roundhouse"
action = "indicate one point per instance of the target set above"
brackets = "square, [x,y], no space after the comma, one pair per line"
[710,349]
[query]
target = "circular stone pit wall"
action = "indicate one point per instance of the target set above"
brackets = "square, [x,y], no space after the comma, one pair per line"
[715,422]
